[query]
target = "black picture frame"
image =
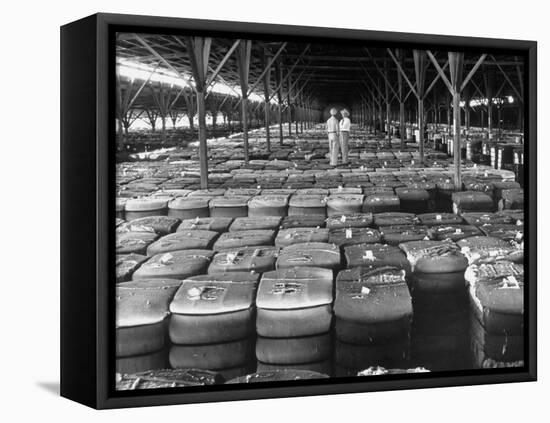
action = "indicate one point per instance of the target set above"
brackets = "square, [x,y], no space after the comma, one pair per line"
[87,195]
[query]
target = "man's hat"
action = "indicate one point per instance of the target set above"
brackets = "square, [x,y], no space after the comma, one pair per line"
[344,112]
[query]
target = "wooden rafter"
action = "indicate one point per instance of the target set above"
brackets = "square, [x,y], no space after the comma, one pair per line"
[403,74]
[383,73]
[512,85]
[215,73]
[267,68]
[163,60]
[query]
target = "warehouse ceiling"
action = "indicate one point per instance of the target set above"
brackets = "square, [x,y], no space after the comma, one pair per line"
[319,74]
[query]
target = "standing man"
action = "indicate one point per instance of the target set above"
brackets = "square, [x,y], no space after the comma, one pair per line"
[333,131]
[345,124]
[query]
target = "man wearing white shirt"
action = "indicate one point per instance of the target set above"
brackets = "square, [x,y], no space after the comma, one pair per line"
[333,131]
[345,124]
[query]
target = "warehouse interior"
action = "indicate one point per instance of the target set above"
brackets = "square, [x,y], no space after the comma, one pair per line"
[224,184]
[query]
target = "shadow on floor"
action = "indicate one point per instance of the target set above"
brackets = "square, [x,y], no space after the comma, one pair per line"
[51,387]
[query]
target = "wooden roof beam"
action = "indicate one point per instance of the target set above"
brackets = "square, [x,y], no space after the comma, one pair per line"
[382,73]
[140,89]
[403,74]
[520,78]
[163,60]
[373,83]
[283,79]
[268,67]
[198,49]
[358,58]
[437,77]
[508,79]
[440,71]
[243,63]
[214,74]
[473,71]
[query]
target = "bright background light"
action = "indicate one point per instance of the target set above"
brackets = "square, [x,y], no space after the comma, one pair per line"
[484,101]
[138,71]
[134,70]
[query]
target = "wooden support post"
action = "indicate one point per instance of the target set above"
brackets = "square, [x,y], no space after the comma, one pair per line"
[203,150]
[402,127]
[266,81]
[467,109]
[280,118]
[296,117]
[243,63]
[152,116]
[420,61]
[448,110]
[214,113]
[289,114]
[520,117]
[369,115]
[456,65]
[244,123]
[388,104]
[302,114]
[174,117]
[488,79]
[119,126]
[456,141]
[499,119]
[198,49]
[380,112]
[420,140]
[521,104]
[436,114]
[374,113]
[278,79]
[191,110]
[164,97]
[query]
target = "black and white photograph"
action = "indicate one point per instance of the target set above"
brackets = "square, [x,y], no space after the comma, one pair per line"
[272,212]
[292,209]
